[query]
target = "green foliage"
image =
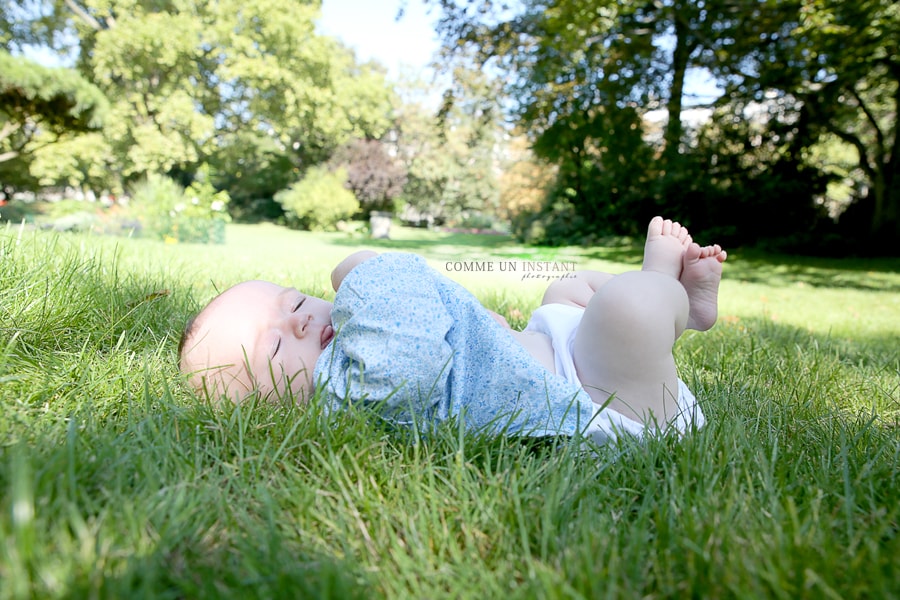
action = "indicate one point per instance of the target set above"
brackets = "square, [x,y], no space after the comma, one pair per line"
[727,188]
[166,211]
[83,161]
[584,76]
[36,99]
[248,88]
[450,156]
[251,89]
[147,63]
[306,90]
[525,179]
[188,81]
[856,97]
[319,200]
[253,167]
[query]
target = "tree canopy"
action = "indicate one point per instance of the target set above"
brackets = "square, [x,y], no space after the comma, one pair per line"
[798,117]
[585,77]
[186,79]
[39,100]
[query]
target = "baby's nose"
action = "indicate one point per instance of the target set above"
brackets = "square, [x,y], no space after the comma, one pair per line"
[301,324]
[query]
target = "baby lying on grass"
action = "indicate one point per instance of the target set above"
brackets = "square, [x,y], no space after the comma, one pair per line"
[595,359]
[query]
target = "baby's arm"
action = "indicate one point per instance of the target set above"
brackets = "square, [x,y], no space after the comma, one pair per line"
[499,318]
[576,290]
[347,265]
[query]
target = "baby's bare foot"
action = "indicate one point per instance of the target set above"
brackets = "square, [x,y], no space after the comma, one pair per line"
[665,246]
[700,276]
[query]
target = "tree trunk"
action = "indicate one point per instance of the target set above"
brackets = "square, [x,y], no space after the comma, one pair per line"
[892,179]
[886,221]
[681,54]
[886,213]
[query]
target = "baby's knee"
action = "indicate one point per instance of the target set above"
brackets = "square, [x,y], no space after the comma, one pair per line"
[641,297]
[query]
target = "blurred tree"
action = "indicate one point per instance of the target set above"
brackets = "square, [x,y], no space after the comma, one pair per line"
[848,78]
[469,127]
[25,23]
[524,180]
[277,76]
[188,79]
[318,201]
[39,104]
[742,187]
[147,61]
[428,168]
[253,167]
[451,152]
[839,163]
[832,73]
[584,74]
[374,176]
[84,161]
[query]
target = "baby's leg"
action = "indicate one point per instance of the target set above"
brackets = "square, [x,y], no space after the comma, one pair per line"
[666,244]
[576,290]
[623,346]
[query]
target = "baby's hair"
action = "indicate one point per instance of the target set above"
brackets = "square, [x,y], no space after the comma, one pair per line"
[190,329]
[191,324]
[186,335]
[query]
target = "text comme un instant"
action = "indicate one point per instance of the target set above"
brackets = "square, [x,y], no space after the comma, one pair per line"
[509,266]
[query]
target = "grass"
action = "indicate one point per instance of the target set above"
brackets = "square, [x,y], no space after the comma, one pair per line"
[116,482]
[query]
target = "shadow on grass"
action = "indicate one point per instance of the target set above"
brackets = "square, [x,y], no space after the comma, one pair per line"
[752,266]
[876,274]
[464,245]
[620,250]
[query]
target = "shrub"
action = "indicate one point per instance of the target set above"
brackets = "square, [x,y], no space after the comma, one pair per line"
[319,200]
[166,211]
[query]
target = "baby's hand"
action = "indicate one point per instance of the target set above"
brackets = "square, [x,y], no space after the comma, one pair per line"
[347,265]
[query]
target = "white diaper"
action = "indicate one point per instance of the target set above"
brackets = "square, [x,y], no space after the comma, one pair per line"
[560,322]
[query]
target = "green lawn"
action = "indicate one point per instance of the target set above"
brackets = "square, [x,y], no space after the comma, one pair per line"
[116,482]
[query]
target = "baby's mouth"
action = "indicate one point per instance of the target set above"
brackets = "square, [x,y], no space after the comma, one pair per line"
[327,335]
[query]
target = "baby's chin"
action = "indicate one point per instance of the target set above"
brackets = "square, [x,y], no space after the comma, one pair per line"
[220,386]
[239,387]
[300,390]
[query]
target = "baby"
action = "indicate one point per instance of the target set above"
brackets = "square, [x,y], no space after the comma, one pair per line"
[596,357]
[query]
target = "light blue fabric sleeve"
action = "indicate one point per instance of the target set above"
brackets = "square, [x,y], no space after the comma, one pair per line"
[390,344]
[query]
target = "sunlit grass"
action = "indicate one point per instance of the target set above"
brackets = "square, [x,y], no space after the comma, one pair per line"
[116,482]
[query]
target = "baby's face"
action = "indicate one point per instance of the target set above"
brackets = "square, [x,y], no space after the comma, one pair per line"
[258,335]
